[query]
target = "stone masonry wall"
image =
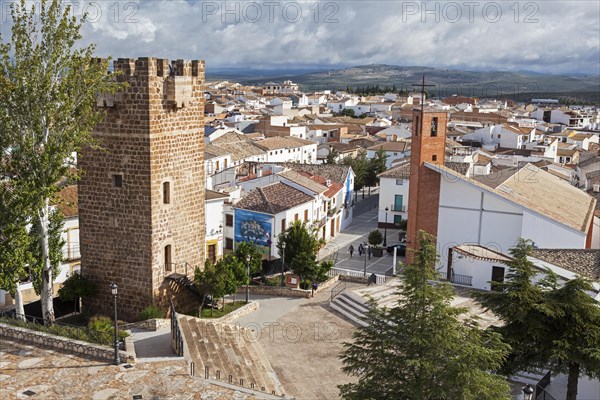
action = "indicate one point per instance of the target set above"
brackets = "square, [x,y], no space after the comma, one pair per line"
[64,344]
[153,132]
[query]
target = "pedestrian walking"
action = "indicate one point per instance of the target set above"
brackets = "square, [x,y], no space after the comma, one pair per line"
[369,251]
[351,250]
[361,250]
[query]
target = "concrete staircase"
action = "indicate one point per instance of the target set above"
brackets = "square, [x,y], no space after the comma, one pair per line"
[232,355]
[353,304]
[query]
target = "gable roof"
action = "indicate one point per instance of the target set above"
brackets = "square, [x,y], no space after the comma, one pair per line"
[303,180]
[239,146]
[334,172]
[212,195]
[584,262]
[538,191]
[273,199]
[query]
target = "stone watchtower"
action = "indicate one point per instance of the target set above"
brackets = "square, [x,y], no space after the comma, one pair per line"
[428,144]
[141,197]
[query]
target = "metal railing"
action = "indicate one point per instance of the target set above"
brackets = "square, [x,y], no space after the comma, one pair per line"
[177,268]
[381,279]
[458,279]
[398,209]
[176,332]
[337,289]
[71,252]
[59,328]
[540,388]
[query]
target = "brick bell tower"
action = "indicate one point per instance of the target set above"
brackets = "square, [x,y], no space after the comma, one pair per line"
[428,144]
[141,197]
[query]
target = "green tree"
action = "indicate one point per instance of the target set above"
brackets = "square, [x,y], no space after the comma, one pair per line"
[547,325]
[376,166]
[332,156]
[211,282]
[420,349]
[245,249]
[375,238]
[348,112]
[359,165]
[236,275]
[298,239]
[15,254]
[77,287]
[48,93]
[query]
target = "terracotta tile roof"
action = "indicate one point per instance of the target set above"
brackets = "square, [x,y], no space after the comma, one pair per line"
[333,187]
[273,199]
[539,191]
[583,262]
[211,151]
[67,201]
[335,173]
[212,195]
[303,180]
[239,146]
[399,146]
[461,168]
[401,171]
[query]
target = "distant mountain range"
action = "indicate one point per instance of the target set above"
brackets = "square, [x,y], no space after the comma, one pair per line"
[516,85]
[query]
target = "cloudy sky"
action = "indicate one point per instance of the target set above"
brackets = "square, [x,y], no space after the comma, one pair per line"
[542,36]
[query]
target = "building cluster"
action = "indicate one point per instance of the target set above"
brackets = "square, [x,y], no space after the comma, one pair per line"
[193,168]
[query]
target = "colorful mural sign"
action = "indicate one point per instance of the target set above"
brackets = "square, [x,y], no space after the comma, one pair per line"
[254,227]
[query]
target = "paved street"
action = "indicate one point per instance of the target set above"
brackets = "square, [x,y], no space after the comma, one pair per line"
[364,221]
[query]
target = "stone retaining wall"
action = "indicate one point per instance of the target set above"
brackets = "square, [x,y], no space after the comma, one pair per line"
[154,324]
[240,312]
[353,279]
[65,344]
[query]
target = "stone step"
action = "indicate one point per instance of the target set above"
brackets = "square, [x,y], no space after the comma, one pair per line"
[355,301]
[349,308]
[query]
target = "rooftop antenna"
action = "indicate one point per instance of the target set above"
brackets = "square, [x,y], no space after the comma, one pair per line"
[422,86]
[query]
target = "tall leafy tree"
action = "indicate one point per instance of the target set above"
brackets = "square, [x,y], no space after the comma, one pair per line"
[546,324]
[76,287]
[332,156]
[55,247]
[420,349]
[376,165]
[15,254]
[359,165]
[298,239]
[48,92]
[245,249]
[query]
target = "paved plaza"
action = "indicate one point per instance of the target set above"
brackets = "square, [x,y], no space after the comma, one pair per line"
[30,372]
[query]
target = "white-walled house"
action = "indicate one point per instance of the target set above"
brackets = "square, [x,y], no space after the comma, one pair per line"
[479,266]
[214,219]
[504,135]
[393,194]
[288,149]
[267,211]
[495,210]
[395,151]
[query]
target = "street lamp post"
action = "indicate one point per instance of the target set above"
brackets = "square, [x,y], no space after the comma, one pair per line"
[248,258]
[366,250]
[385,229]
[527,392]
[113,290]
[282,263]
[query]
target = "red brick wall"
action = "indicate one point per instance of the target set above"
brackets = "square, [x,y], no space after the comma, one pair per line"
[424,189]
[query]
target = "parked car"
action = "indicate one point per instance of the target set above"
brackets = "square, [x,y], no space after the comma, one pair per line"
[401,249]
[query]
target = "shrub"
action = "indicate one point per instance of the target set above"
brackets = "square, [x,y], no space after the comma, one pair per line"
[151,312]
[375,238]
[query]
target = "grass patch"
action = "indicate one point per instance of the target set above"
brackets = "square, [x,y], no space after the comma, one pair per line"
[218,313]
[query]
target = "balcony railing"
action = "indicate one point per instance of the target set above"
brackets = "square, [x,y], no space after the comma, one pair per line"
[457,279]
[71,252]
[398,209]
